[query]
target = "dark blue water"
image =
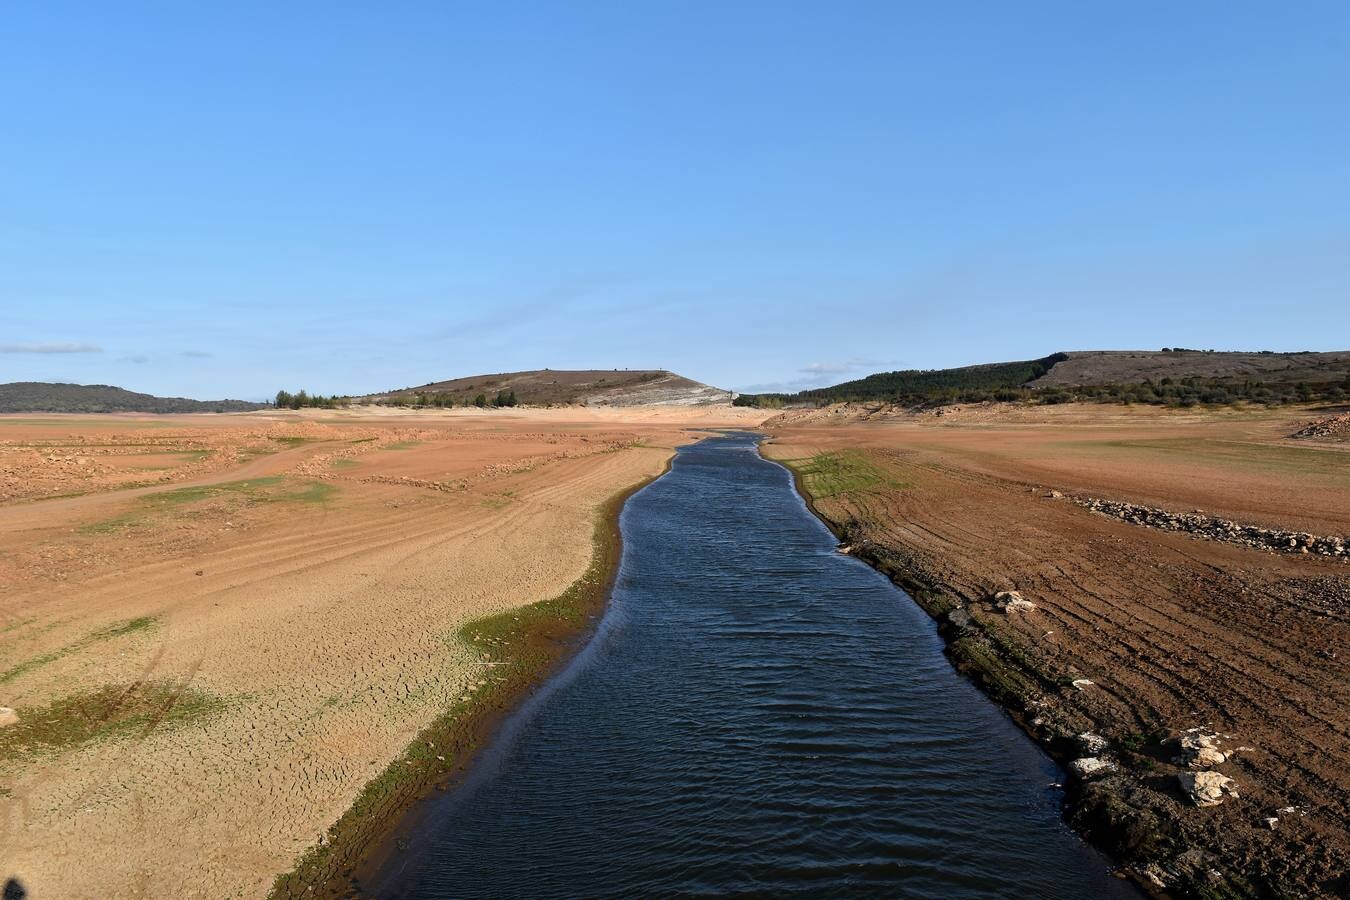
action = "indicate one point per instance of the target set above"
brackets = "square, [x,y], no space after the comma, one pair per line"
[756,715]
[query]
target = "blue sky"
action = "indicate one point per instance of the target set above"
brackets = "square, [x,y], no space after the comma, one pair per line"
[222,200]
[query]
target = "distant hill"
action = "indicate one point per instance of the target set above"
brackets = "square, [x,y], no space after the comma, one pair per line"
[42,396]
[919,384]
[1088,367]
[586,387]
[1175,376]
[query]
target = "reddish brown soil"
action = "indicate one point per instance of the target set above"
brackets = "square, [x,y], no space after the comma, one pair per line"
[1174,631]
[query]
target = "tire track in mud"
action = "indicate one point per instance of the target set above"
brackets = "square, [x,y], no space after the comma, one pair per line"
[379,647]
[1174,632]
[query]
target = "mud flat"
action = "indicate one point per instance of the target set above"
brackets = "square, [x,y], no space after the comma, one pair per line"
[215,646]
[1122,639]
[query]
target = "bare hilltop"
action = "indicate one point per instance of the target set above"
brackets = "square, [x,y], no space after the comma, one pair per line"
[571,387]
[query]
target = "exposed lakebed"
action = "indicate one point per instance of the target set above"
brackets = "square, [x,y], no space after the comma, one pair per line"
[756,714]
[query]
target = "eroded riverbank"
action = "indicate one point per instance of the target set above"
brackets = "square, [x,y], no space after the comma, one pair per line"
[1133,635]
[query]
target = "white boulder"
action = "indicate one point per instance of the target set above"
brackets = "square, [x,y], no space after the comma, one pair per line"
[1091,767]
[1012,601]
[1207,788]
[1200,749]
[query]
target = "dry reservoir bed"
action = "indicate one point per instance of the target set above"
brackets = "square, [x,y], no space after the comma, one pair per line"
[1128,627]
[218,629]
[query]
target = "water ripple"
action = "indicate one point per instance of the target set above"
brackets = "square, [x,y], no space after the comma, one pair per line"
[759,716]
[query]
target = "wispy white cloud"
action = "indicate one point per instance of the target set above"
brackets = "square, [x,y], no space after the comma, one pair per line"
[196,354]
[54,347]
[820,374]
[852,364]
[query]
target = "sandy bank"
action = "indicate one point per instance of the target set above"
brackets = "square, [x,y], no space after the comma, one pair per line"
[208,670]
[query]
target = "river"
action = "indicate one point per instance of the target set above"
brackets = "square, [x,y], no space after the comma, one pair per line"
[756,714]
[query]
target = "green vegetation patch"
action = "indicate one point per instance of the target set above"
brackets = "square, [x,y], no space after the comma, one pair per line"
[843,472]
[312,492]
[343,462]
[108,526]
[110,712]
[401,445]
[115,630]
[1000,680]
[195,493]
[130,626]
[290,440]
[499,499]
[1265,458]
[258,489]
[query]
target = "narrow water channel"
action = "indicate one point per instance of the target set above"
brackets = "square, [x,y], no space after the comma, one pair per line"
[756,715]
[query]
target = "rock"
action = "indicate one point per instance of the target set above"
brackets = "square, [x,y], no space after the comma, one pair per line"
[1081,683]
[1200,749]
[1207,757]
[959,617]
[1055,495]
[1155,875]
[1092,744]
[1091,767]
[1324,427]
[1202,525]
[844,549]
[1270,822]
[8,716]
[1207,788]
[1012,601]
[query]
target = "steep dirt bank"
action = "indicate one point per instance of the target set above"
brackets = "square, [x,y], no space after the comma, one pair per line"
[1135,634]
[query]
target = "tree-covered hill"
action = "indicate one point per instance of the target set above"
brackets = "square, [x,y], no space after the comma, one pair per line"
[921,385]
[1172,376]
[43,396]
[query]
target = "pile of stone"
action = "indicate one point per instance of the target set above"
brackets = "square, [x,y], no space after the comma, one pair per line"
[1207,788]
[1212,527]
[1095,761]
[1198,749]
[1012,601]
[405,481]
[72,464]
[1325,428]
